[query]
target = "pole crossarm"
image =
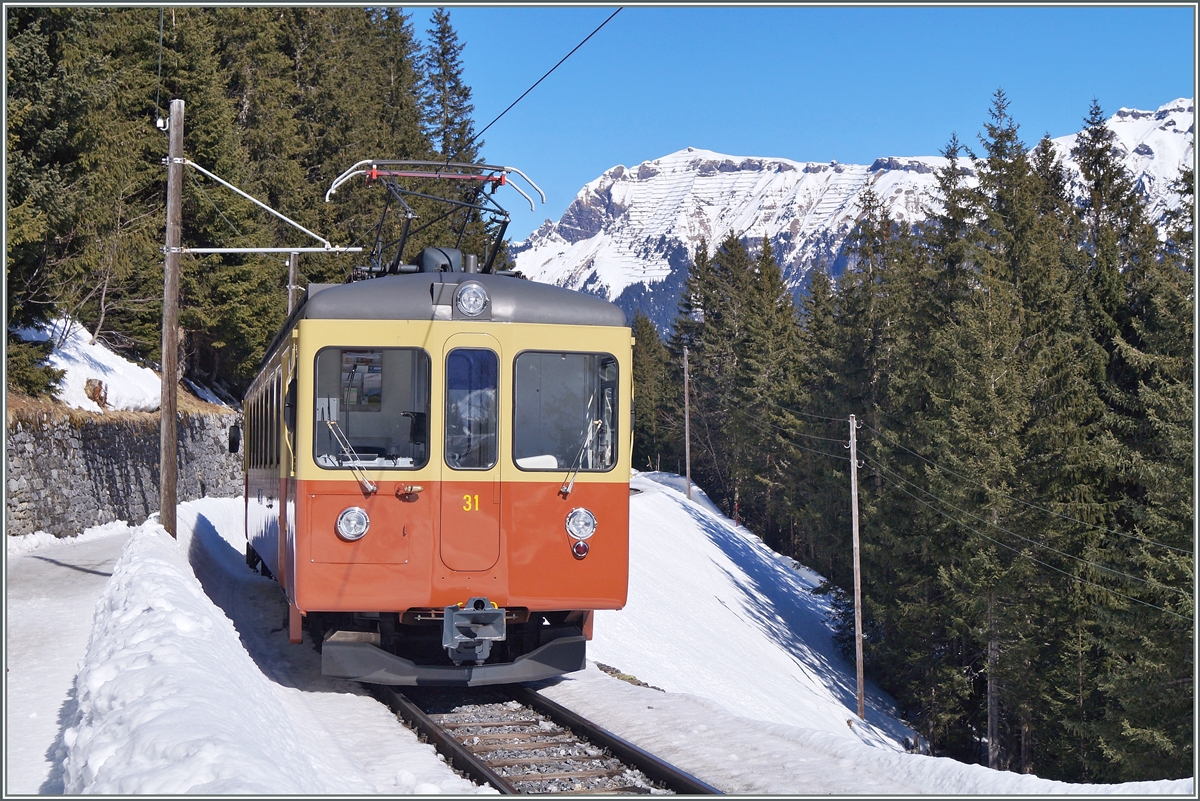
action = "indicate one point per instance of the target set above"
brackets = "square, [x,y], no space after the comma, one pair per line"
[269,250]
[327,246]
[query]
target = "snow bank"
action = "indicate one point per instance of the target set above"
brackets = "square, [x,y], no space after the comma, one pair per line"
[39,540]
[127,386]
[169,701]
[756,640]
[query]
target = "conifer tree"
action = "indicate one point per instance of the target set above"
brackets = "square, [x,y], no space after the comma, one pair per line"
[819,495]
[44,202]
[446,98]
[767,390]
[717,445]
[651,376]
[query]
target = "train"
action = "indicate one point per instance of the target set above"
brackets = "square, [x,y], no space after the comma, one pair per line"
[437,456]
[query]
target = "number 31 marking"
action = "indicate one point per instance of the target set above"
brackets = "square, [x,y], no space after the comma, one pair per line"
[468,500]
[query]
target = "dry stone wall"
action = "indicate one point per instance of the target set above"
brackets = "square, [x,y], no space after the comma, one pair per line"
[65,474]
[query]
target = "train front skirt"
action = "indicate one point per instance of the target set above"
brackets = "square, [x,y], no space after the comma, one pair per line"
[356,655]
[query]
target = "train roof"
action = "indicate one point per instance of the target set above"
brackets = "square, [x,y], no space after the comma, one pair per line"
[428,296]
[420,297]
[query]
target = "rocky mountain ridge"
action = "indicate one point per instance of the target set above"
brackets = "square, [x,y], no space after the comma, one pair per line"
[630,233]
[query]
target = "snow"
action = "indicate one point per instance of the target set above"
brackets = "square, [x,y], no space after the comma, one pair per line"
[174,674]
[128,387]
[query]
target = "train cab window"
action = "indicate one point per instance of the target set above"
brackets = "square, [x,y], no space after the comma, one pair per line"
[372,408]
[471,380]
[565,411]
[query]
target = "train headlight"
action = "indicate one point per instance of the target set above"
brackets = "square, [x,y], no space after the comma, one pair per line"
[353,523]
[472,299]
[581,524]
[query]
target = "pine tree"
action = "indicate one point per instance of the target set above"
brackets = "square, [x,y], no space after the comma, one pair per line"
[1147,726]
[651,375]
[44,202]
[446,99]
[766,391]
[823,514]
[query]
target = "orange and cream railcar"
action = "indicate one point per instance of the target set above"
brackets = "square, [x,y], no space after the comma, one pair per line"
[437,473]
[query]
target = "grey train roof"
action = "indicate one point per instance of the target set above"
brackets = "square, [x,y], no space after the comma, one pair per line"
[420,296]
[427,296]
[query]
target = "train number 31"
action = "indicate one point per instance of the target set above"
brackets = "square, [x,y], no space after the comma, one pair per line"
[470,503]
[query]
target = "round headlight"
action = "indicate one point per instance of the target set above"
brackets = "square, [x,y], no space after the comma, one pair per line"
[353,523]
[472,299]
[581,524]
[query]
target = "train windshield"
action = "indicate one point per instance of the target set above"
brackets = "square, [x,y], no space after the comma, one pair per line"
[372,408]
[471,377]
[565,411]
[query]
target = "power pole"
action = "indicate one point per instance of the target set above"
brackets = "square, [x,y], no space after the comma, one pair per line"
[687,426]
[293,271]
[858,635]
[168,451]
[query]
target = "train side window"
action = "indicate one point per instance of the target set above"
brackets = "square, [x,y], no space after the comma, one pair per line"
[272,421]
[472,376]
[377,401]
[256,417]
[565,411]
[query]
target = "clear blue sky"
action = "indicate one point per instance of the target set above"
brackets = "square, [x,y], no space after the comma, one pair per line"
[805,83]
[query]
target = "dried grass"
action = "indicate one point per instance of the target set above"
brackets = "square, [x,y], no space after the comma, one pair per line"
[38,411]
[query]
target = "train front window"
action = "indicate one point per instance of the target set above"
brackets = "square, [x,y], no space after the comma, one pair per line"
[471,379]
[372,408]
[565,411]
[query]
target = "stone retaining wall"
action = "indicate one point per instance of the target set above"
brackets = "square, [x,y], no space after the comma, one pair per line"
[67,473]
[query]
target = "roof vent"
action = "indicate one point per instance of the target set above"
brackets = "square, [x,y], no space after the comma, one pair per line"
[441,260]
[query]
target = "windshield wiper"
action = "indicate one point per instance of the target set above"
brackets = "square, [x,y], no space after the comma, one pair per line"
[348,451]
[566,487]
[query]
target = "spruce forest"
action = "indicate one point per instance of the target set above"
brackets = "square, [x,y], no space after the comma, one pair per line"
[279,102]
[1020,364]
[1020,368]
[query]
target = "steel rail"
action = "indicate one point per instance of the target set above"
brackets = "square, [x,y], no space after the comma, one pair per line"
[671,777]
[478,770]
[458,755]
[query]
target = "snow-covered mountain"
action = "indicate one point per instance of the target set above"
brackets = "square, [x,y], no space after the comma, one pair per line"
[629,234]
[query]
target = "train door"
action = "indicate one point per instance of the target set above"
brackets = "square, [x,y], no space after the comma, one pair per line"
[470,502]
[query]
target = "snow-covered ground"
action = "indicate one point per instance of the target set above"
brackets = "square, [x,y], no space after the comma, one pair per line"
[125,386]
[187,683]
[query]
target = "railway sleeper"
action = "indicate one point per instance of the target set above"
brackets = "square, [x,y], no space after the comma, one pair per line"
[525,778]
[542,746]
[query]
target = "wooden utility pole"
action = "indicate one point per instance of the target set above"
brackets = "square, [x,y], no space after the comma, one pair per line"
[858,635]
[687,426]
[168,452]
[293,273]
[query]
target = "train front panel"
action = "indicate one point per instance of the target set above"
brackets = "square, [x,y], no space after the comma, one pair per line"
[436,462]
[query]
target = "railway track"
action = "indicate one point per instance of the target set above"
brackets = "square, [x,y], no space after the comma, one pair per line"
[521,743]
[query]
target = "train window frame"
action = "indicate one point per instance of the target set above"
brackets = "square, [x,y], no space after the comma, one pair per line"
[422,367]
[495,412]
[615,432]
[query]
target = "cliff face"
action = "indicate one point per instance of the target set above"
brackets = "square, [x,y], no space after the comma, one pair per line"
[630,233]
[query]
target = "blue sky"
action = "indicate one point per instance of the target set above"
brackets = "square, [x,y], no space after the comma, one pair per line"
[849,83]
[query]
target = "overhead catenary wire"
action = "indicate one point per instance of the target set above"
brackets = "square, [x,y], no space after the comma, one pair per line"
[217,209]
[767,426]
[884,471]
[474,138]
[158,86]
[1035,559]
[883,474]
[1014,499]
[788,434]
